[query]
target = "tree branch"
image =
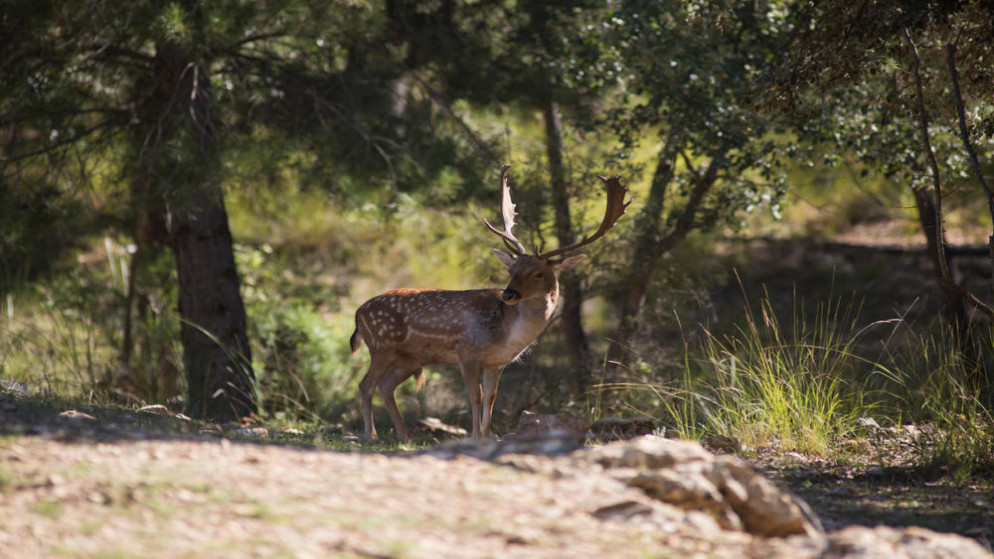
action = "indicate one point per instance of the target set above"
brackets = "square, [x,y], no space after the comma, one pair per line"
[685,223]
[930,153]
[965,136]
[947,281]
[52,147]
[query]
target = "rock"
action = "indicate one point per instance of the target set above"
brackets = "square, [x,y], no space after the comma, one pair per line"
[683,474]
[868,423]
[860,542]
[157,409]
[721,443]
[647,452]
[764,508]
[621,428]
[13,388]
[623,510]
[77,415]
[688,492]
[251,432]
[552,443]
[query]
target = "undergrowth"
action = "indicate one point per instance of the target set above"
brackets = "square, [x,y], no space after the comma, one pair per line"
[805,386]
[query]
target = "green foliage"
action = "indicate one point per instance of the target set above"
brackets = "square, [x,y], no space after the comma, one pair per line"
[764,385]
[303,362]
[39,224]
[688,70]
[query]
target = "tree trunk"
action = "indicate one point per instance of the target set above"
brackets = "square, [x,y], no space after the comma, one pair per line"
[646,255]
[954,304]
[177,161]
[216,351]
[653,242]
[570,281]
[929,202]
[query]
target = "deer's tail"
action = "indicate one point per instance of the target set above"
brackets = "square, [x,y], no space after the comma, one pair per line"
[355,342]
[419,380]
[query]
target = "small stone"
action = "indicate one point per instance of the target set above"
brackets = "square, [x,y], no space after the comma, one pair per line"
[868,423]
[77,415]
[721,443]
[157,409]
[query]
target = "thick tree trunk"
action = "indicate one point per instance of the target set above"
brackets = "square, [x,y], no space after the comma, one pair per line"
[178,161]
[215,342]
[216,351]
[570,282]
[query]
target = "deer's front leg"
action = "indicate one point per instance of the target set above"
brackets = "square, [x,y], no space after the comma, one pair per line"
[491,378]
[471,378]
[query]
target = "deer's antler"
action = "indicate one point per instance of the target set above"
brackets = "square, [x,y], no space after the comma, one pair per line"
[615,209]
[507,212]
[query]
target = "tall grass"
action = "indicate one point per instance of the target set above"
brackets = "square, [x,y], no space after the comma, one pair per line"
[766,385]
[802,387]
[945,392]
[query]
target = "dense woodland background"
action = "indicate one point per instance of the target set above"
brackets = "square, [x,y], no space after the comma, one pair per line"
[196,196]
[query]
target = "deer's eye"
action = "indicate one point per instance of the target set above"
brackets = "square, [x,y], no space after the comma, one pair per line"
[539,275]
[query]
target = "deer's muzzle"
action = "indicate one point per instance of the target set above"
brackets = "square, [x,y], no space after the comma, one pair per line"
[510,296]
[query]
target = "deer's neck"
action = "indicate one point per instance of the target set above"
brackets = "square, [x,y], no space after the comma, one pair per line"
[527,319]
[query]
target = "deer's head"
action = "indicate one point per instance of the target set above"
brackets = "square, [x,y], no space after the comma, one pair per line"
[534,276]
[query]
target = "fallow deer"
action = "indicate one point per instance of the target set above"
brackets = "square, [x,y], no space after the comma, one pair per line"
[406,329]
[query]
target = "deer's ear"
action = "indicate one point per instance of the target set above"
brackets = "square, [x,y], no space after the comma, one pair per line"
[504,257]
[567,263]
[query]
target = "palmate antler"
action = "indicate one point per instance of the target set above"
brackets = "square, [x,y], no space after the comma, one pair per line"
[508,213]
[615,209]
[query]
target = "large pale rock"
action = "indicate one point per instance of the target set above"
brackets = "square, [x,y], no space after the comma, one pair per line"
[683,474]
[680,491]
[647,452]
[859,542]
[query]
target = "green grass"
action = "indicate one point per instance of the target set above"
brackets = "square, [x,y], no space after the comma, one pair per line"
[765,385]
[802,385]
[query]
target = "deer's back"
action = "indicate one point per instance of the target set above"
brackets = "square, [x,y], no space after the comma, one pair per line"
[432,325]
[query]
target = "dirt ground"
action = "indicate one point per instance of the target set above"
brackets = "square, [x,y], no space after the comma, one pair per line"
[115,483]
[77,488]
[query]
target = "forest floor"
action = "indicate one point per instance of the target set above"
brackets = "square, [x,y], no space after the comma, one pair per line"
[110,482]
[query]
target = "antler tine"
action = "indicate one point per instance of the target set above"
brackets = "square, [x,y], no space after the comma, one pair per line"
[615,209]
[507,213]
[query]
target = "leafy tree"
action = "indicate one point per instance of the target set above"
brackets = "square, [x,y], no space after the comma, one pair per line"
[904,87]
[80,74]
[688,70]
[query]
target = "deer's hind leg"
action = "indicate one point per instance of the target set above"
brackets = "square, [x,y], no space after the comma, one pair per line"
[378,366]
[387,386]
